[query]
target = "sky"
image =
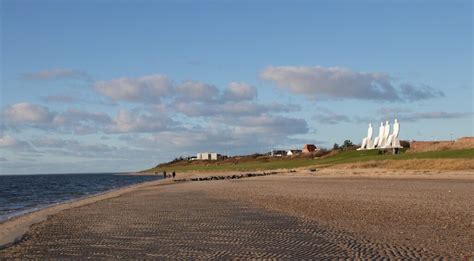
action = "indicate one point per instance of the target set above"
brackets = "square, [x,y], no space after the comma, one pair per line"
[106,86]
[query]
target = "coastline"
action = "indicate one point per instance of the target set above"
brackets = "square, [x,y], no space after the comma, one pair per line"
[13,229]
[342,170]
[288,199]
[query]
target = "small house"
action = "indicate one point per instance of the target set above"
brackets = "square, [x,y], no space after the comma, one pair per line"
[278,153]
[308,148]
[208,156]
[293,152]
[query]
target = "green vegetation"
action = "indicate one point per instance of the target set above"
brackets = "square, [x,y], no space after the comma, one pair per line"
[370,155]
[245,166]
[341,157]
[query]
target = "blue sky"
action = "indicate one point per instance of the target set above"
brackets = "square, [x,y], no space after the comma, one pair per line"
[120,86]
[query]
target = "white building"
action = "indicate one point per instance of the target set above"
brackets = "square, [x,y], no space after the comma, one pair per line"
[278,153]
[208,156]
[293,152]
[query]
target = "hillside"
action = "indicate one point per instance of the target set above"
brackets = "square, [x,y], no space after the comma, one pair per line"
[441,159]
[459,144]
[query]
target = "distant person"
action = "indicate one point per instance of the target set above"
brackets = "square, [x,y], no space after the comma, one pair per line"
[174,174]
[164,174]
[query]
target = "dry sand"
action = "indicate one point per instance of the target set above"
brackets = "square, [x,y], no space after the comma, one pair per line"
[428,213]
[374,172]
[329,213]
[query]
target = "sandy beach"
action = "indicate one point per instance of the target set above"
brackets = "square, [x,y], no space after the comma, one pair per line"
[328,213]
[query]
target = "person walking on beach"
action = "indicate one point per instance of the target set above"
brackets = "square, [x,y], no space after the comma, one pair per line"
[164,174]
[174,174]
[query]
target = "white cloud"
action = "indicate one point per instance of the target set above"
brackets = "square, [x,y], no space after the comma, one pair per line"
[28,113]
[236,91]
[244,108]
[133,121]
[9,142]
[155,119]
[338,82]
[75,116]
[55,74]
[196,91]
[154,88]
[80,122]
[20,115]
[236,135]
[149,88]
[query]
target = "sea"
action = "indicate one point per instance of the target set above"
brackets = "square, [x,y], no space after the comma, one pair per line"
[21,194]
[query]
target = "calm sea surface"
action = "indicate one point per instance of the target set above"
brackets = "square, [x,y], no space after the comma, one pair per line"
[21,194]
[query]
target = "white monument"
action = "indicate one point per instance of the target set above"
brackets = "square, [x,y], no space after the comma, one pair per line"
[367,141]
[386,133]
[384,140]
[392,141]
[378,139]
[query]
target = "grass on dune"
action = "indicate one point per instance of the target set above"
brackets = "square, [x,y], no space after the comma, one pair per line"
[339,158]
[246,166]
[360,156]
[415,164]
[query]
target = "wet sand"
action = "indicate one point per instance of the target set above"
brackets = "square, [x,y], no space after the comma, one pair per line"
[292,215]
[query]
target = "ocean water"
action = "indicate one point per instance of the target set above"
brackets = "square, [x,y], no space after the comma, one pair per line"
[21,194]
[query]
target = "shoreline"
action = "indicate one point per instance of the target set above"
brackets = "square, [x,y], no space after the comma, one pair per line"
[12,231]
[46,206]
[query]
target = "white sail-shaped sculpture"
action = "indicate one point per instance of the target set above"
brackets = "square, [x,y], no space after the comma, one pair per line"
[392,140]
[367,141]
[378,140]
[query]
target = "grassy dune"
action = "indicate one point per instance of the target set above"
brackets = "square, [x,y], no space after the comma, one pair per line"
[362,156]
[445,158]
